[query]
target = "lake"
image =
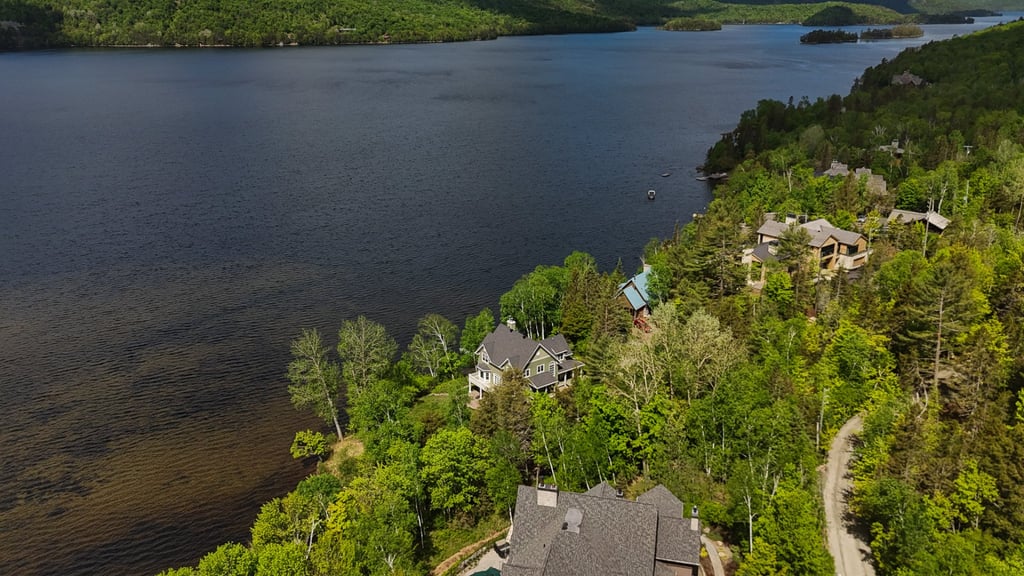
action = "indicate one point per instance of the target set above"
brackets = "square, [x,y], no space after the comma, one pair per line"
[171,219]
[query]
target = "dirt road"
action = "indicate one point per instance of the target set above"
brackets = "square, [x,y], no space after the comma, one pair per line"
[716,559]
[852,555]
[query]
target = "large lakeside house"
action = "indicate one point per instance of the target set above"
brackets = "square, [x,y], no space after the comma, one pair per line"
[600,532]
[831,248]
[546,364]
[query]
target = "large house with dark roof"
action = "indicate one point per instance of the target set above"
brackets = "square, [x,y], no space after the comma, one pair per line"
[831,248]
[599,532]
[545,364]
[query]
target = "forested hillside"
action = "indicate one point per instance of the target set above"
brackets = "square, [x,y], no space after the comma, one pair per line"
[731,395]
[46,23]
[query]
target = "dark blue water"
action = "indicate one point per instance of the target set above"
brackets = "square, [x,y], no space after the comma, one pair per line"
[169,220]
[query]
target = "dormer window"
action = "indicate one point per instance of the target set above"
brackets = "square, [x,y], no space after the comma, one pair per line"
[484,356]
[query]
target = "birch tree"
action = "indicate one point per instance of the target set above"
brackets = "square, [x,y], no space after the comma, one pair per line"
[316,381]
[366,351]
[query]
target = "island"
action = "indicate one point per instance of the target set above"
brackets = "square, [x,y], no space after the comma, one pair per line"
[692,25]
[827,37]
[896,32]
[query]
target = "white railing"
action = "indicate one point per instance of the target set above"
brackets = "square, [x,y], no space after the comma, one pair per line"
[476,380]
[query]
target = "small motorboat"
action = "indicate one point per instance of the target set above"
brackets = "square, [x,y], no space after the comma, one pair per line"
[666,174]
[650,194]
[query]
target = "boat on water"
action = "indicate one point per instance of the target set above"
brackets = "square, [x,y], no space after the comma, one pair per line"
[666,174]
[713,176]
[650,194]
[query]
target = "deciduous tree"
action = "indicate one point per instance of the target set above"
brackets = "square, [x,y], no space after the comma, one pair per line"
[366,352]
[315,380]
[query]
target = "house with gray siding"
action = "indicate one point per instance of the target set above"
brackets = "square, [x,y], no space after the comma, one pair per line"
[546,364]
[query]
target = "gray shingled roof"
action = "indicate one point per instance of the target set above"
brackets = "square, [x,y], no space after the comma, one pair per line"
[666,502]
[506,344]
[772,228]
[763,252]
[616,537]
[819,229]
[555,344]
[603,490]
[908,216]
[676,541]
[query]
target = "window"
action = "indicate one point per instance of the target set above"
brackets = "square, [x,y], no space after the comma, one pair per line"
[540,368]
[552,367]
[485,357]
[485,375]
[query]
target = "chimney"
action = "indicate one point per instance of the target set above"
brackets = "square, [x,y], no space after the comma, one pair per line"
[694,519]
[511,323]
[547,495]
[647,267]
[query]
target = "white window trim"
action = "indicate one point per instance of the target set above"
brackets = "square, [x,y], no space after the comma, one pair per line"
[540,368]
[526,372]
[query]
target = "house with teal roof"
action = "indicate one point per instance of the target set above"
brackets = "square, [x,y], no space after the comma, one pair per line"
[634,295]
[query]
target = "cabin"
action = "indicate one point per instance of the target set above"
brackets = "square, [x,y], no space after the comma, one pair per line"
[633,295]
[547,364]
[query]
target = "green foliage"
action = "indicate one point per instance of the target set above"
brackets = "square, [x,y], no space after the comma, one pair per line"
[828,36]
[316,381]
[366,351]
[379,520]
[228,560]
[272,525]
[433,348]
[790,531]
[186,571]
[476,329]
[534,301]
[835,16]
[453,469]
[692,25]
[288,559]
[309,443]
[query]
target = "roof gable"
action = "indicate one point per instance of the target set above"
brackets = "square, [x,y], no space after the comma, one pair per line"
[507,348]
[666,502]
[635,289]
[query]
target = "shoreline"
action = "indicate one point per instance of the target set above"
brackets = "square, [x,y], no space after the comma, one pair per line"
[635,27]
